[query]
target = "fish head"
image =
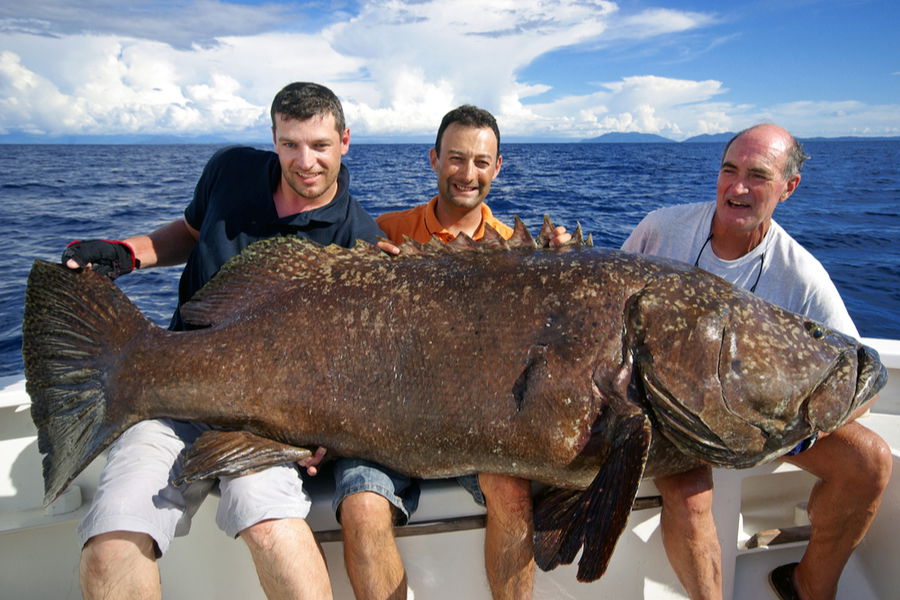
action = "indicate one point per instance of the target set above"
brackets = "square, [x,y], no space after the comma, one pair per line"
[736,381]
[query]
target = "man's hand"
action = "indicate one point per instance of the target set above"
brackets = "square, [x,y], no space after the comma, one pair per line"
[559,237]
[107,257]
[387,246]
[311,463]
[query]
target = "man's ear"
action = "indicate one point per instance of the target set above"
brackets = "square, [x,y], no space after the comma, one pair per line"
[345,141]
[792,184]
[433,159]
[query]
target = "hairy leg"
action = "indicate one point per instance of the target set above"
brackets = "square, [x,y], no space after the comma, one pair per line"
[853,465]
[120,565]
[689,532]
[508,541]
[373,561]
[288,561]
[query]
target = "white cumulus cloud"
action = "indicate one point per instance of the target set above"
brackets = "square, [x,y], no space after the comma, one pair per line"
[208,67]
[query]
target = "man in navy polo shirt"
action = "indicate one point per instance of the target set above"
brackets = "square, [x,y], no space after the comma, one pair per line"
[243,195]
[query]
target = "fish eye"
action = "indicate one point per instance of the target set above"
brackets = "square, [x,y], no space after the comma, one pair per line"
[815,330]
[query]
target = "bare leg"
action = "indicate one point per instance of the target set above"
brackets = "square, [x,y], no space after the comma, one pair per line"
[289,562]
[508,543]
[120,564]
[689,532]
[371,556]
[853,465]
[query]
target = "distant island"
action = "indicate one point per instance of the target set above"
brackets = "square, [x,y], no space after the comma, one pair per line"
[718,138]
[252,139]
[629,137]
[633,137]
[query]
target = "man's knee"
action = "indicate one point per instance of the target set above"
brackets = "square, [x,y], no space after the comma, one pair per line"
[366,511]
[872,463]
[687,494]
[282,537]
[854,457]
[107,552]
[263,535]
[506,495]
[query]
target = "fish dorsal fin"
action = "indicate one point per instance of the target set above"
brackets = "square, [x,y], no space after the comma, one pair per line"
[578,240]
[493,239]
[520,237]
[463,242]
[219,453]
[566,520]
[543,238]
[249,278]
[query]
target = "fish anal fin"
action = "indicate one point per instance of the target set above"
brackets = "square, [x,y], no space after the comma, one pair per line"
[593,519]
[231,453]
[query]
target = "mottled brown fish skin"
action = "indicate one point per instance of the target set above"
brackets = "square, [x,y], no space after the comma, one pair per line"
[442,362]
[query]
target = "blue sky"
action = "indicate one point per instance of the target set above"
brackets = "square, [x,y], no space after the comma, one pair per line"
[548,69]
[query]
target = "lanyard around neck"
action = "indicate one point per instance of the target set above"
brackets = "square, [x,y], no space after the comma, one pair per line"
[762,260]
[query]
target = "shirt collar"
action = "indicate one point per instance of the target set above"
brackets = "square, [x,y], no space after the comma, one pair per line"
[436,229]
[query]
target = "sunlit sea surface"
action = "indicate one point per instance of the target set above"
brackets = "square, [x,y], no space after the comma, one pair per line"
[846,211]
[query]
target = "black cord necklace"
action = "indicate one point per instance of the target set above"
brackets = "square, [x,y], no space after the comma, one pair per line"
[762,260]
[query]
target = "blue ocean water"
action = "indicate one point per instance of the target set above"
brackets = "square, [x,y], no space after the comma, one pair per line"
[845,211]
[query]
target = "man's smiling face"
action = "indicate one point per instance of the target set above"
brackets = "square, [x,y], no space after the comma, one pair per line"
[466,166]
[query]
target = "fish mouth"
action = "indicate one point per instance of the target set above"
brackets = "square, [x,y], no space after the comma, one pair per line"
[871,375]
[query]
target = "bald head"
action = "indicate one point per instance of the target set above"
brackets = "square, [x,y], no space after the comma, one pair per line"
[778,137]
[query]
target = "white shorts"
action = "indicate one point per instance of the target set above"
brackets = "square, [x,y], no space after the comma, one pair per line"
[134,493]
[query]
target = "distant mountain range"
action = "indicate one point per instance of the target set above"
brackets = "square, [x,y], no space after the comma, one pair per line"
[629,137]
[719,138]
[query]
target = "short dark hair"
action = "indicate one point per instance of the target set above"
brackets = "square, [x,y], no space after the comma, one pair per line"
[302,100]
[796,156]
[468,116]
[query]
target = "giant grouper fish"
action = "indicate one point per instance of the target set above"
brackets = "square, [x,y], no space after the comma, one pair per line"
[582,368]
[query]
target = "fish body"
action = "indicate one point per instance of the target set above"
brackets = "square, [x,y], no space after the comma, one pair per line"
[582,368]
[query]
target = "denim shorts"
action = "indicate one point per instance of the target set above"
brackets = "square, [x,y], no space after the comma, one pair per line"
[471,485]
[352,475]
[134,493]
[804,445]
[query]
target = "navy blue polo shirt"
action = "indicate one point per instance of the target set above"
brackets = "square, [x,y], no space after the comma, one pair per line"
[233,207]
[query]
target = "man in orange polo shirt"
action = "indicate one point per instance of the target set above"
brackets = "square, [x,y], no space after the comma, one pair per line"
[466,158]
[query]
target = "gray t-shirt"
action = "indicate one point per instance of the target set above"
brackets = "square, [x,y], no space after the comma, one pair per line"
[788,275]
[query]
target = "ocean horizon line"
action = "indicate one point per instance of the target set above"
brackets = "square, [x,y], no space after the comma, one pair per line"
[612,138]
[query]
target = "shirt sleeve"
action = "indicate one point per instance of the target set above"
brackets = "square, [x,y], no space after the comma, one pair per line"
[637,240]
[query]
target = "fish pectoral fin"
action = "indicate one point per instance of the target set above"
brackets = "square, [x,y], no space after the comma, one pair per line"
[566,520]
[231,453]
[558,527]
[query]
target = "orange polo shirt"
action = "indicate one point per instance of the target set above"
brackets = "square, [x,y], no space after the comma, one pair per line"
[420,223]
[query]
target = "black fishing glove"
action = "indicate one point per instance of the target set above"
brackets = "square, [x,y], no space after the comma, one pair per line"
[107,257]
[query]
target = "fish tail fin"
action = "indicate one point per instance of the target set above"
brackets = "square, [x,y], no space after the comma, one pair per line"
[567,520]
[74,327]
